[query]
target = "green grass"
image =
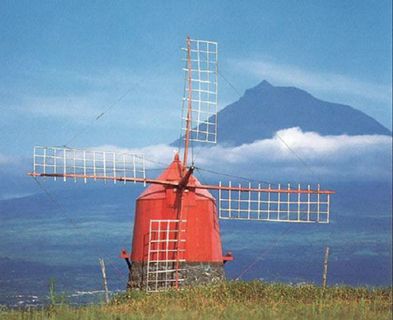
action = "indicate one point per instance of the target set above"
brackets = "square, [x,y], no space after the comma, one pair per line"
[231,300]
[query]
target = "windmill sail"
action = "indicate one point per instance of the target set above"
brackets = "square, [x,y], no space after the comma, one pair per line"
[60,162]
[279,205]
[200,92]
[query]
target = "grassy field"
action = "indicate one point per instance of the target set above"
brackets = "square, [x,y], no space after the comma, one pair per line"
[230,300]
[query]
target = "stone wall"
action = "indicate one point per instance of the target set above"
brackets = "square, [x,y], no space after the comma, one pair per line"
[192,273]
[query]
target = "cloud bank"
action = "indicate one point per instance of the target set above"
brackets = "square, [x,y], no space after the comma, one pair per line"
[310,158]
[290,155]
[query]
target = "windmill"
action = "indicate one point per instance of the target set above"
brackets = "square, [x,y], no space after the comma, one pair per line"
[176,239]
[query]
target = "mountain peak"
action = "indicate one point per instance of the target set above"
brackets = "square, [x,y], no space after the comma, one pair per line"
[264,84]
[260,88]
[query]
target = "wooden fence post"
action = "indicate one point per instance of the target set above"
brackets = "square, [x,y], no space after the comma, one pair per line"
[325,268]
[102,264]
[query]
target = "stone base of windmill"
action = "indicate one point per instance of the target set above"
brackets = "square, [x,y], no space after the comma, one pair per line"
[193,274]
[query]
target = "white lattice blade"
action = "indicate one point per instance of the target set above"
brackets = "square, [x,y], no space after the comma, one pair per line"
[204,89]
[64,163]
[165,256]
[274,204]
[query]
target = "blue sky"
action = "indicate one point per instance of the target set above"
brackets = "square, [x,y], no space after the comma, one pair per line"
[63,63]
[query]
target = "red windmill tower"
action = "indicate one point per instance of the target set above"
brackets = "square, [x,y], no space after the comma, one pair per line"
[176,238]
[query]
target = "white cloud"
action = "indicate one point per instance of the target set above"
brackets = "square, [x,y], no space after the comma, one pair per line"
[82,97]
[79,108]
[5,159]
[322,157]
[320,82]
[157,156]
